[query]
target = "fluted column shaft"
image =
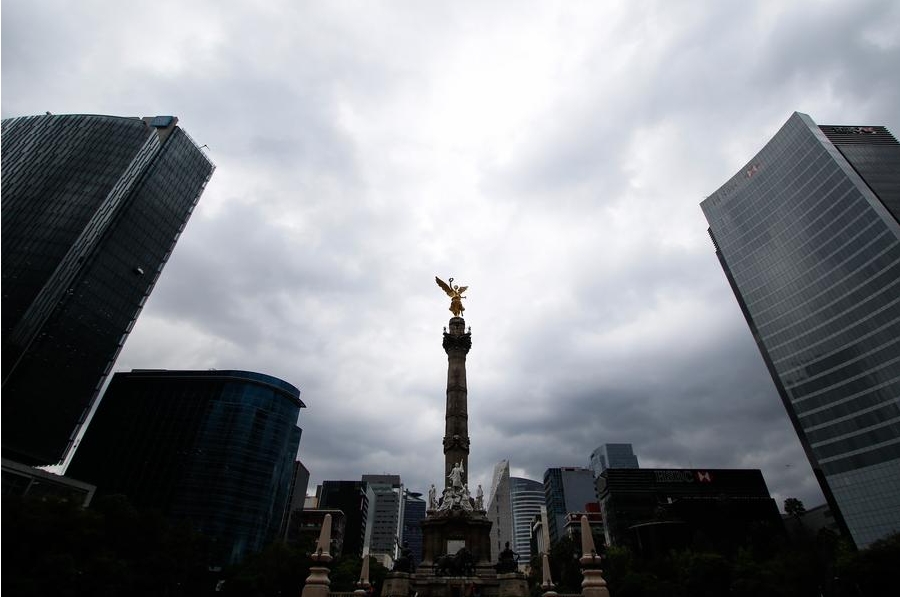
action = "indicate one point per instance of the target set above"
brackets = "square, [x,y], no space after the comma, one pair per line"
[457,343]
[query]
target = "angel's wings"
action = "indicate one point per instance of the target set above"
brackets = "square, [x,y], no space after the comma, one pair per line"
[445,286]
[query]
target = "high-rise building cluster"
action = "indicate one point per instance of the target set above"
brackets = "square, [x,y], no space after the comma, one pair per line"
[512,504]
[808,235]
[378,513]
[92,209]
[647,510]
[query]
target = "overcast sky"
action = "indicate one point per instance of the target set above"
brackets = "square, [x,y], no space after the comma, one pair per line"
[550,155]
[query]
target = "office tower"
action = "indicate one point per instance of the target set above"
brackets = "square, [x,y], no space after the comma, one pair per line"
[612,456]
[296,498]
[808,236]
[413,515]
[384,516]
[92,208]
[349,498]
[526,497]
[654,510]
[566,489]
[499,507]
[512,505]
[215,448]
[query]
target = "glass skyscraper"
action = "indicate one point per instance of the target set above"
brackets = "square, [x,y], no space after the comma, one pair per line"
[808,235]
[413,515]
[213,448]
[612,456]
[92,208]
[527,498]
[566,489]
[350,498]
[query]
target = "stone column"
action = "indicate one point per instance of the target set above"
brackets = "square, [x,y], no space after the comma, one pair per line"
[593,585]
[317,584]
[457,343]
[362,587]
[548,589]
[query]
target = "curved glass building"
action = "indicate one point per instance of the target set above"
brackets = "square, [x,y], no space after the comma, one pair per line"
[213,448]
[526,497]
[808,235]
[92,208]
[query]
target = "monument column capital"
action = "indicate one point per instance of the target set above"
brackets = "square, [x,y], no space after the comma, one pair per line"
[457,344]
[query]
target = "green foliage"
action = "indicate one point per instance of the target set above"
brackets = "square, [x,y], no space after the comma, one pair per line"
[345,573]
[794,507]
[58,548]
[564,566]
[871,571]
[279,569]
[824,565]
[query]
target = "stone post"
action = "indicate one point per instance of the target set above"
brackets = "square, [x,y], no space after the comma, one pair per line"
[363,584]
[593,584]
[317,583]
[547,586]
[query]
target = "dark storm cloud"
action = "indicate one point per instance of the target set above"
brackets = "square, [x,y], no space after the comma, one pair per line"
[552,157]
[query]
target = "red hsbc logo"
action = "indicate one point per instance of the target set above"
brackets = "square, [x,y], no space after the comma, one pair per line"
[704,477]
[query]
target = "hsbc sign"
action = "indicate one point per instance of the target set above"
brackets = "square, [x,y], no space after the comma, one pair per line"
[682,476]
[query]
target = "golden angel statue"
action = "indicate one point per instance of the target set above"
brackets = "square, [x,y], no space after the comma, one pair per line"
[456,295]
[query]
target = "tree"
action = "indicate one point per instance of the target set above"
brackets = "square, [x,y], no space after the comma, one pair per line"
[794,508]
[278,569]
[55,547]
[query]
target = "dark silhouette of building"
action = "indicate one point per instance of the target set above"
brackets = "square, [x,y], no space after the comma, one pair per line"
[306,526]
[296,497]
[654,510]
[349,498]
[413,515]
[808,236]
[572,528]
[92,208]
[26,481]
[215,448]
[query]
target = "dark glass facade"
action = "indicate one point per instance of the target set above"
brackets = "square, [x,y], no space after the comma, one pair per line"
[566,489]
[653,510]
[214,448]
[413,515]
[349,498]
[92,208]
[808,236]
[612,456]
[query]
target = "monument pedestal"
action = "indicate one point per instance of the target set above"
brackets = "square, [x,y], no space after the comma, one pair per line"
[512,584]
[396,584]
[446,535]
